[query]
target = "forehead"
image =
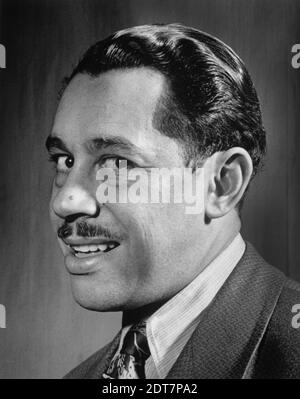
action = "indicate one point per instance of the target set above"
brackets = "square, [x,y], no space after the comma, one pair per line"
[120,102]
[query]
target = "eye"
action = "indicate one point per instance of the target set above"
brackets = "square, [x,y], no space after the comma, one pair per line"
[63,162]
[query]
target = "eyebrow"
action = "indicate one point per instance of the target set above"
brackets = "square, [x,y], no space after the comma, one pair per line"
[115,142]
[95,145]
[53,142]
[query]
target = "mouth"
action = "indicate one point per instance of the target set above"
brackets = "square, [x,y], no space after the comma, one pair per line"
[85,250]
[85,256]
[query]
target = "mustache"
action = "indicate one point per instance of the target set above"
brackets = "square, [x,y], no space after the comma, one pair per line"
[83,229]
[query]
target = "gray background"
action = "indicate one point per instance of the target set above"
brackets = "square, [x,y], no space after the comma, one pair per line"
[47,333]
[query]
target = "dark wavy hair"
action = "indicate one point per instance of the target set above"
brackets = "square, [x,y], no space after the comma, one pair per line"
[210,104]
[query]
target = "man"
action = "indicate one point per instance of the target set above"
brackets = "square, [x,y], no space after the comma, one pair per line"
[197,301]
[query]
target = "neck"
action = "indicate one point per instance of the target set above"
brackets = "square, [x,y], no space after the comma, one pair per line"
[223,233]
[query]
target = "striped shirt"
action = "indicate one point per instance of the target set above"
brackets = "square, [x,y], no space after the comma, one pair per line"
[171,326]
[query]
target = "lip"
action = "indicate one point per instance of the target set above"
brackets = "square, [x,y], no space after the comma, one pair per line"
[91,263]
[71,241]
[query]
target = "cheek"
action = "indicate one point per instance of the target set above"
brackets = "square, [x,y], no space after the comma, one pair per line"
[153,225]
[137,221]
[172,232]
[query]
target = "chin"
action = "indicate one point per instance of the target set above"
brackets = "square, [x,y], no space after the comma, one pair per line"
[97,297]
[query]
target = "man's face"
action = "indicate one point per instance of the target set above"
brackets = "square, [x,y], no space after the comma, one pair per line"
[119,255]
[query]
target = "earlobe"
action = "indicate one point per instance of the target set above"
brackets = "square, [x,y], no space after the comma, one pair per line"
[230,175]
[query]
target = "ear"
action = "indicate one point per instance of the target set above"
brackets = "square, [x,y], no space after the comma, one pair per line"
[229,175]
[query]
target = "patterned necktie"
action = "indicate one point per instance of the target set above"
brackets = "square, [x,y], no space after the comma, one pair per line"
[130,362]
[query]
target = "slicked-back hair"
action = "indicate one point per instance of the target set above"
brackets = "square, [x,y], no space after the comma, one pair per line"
[210,105]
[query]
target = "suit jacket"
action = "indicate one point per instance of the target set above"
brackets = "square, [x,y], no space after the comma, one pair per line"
[246,332]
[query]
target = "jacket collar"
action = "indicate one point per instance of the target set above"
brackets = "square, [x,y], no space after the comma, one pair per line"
[231,328]
[102,361]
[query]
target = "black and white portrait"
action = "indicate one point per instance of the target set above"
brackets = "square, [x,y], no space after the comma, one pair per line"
[150,189]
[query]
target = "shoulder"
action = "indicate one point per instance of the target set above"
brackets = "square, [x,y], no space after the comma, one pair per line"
[287,306]
[279,352]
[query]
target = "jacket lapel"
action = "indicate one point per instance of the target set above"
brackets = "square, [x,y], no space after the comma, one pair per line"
[231,328]
[100,364]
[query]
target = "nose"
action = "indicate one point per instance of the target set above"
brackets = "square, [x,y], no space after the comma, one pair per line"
[75,199]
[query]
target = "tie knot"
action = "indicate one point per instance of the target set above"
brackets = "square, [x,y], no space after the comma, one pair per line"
[130,361]
[135,342]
